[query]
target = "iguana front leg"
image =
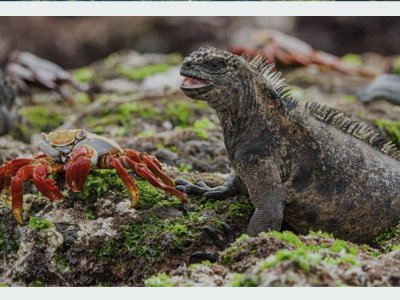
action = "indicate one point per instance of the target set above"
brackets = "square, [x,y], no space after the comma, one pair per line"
[232,186]
[264,185]
[263,181]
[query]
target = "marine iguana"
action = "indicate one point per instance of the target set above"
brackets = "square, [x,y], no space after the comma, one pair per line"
[385,87]
[7,98]
[310,166]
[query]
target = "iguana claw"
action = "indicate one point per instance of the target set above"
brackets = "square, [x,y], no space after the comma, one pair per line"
[201,189]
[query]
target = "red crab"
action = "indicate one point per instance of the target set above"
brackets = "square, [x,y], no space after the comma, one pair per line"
[76,152]
[288,50]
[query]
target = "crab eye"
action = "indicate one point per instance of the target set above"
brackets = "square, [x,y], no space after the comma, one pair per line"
[44,137]
[81,134]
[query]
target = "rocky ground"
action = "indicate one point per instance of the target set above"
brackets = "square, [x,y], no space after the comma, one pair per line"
[94,238]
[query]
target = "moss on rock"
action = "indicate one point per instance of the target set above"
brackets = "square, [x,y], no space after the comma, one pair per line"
[153,237]
[39,118]
[139,73]
[389,240]
[240,209]
[39,223]
[160,280]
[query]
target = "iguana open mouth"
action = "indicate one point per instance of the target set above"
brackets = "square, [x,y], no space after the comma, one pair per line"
[194,83]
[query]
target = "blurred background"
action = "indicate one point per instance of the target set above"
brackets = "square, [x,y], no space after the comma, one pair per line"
[76,41]
[119,76]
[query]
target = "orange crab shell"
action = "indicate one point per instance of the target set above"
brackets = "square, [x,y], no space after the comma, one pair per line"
[64,137]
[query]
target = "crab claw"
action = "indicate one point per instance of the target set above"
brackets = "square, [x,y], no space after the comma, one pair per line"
[78,167]
[126,179]
[46,186]
[17,190]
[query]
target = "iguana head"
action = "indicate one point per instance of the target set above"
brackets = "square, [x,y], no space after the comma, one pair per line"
[212,75]
[230,83]
[227,81]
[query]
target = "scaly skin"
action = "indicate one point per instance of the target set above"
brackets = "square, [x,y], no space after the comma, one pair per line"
[308,167]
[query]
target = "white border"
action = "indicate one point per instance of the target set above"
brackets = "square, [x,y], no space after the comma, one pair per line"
[293,293]
[177,8]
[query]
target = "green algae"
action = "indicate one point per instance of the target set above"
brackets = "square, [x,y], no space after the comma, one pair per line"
[352,60]
[39,118]
[238,246]
[350,99]
[301,258]
[99,182]
[338,252]
[159,280]
[304,253]
[288,237]
[178,113]
[139,73]
[144,110]
[149,195]
[389,239]
[244,280]
[185,168]
[82,98]
[39,223]
[240,209]
[83,75]
[396,65]
[391,128]
[201,127]
[153,237]
[37,283]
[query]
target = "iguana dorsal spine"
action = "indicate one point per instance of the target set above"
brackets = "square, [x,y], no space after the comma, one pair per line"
[325,113]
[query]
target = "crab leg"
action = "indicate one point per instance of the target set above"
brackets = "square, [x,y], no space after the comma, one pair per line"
[142,170]
[17,190]
[126,179]
[9,169]
[46,186]
[78,167]
[152,163]
[2,177]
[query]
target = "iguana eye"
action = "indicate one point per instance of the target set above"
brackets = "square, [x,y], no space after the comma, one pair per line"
[216,65]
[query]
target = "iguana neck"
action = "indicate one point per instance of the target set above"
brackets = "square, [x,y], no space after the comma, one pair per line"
[258,116]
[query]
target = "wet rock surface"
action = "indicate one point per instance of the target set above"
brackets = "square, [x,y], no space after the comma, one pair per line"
[95,238]
[276,259]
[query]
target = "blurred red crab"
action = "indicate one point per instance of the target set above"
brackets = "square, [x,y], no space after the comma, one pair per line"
[76,152]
